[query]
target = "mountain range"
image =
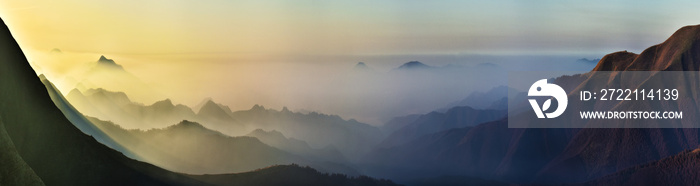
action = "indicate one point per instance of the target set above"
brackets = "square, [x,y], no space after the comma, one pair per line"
[181,147]
[108,74]
[42,146]
[172,147]
[320,131]
[44,142]
[594,156]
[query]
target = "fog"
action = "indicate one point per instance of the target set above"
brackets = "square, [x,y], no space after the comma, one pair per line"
[326,84]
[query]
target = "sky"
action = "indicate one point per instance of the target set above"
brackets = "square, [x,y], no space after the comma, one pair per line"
[297,53]
[343,27]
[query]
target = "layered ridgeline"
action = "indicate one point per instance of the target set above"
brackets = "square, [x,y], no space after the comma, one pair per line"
[41,146]
[558,156]
[191,148]
[319,131]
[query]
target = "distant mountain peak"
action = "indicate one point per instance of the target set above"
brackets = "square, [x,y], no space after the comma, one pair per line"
[103,61]
[361,66]
[75,91]
[56,50]
[413,65]
[257,107]
[586,60]
[188,124]
[202,103]
[214,110]
[165,102]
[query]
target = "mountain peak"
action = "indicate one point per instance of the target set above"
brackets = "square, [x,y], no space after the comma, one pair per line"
[586,60]
[413,65]
[257,107]
[103,61]
[75,91]
[165,102]
[361,66]
[617,61]
[214,110]
[677,53]
[188,124]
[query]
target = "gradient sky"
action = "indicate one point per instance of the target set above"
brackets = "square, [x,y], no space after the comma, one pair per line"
[344,27]
[239,52]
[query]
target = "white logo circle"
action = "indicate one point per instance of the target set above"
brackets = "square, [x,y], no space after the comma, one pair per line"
[542,88]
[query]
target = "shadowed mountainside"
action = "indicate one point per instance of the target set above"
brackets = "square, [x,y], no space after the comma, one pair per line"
[678,53]
[680,169]
[456,117]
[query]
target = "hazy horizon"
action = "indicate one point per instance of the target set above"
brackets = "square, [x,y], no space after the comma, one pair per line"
[373,96]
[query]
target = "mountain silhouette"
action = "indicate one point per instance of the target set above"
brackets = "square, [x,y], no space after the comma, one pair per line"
[350,137]
[586,60]
[41,146]
[181,148]
[413,65]
[361,66]
[56,51]
[289,175]
[215,111]
[108,63]
[117,107]
[107,74]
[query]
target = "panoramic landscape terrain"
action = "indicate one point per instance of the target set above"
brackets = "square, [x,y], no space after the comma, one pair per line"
[322,102]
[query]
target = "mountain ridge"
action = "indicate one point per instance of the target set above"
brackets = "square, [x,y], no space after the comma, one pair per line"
[58,153]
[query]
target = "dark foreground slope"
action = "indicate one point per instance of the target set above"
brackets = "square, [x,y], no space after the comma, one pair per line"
[57,151]
[289,175]
[39,145]
[14,170]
